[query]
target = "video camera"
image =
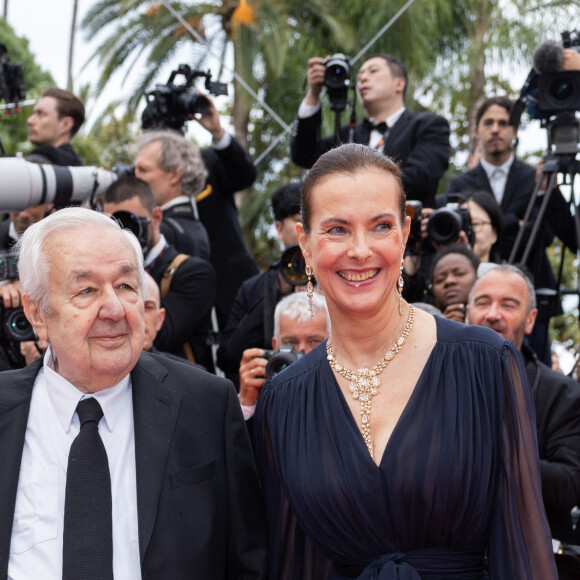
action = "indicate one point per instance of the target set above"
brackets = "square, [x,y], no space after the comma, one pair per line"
[552,95]
[337,80]
[170,105]
[280,359]
[12,87]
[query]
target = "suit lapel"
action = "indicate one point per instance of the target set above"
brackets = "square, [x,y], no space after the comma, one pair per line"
[391,147]
[15,397]
[155,411]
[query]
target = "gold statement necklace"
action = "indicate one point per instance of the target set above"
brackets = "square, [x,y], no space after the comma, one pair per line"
[365,383]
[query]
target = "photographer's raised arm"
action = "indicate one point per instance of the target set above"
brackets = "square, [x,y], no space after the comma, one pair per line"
[315,81]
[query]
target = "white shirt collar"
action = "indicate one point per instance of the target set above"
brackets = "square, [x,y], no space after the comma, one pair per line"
[392,119]
[176,201]
[64,396]
[490,169]
[154,252]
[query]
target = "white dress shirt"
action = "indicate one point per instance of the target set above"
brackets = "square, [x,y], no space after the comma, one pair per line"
[497,176]
[305,111]
[37,532]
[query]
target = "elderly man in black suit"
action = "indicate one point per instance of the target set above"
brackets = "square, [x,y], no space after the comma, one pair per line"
[419,141]
[116,463]
[503,299]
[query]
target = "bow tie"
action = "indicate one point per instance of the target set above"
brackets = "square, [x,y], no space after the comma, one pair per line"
[374,126]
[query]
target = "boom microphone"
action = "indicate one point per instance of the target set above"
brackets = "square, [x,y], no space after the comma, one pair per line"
[548,57]
[24,184]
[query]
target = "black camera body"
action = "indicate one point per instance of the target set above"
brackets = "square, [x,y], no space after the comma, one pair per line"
[447,222]
[8,266]
[280,359]
[12,87]
[337,80]
[413,210]
[136,224]
[171,105]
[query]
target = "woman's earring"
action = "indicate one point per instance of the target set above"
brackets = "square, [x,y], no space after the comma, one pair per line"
[309,289]
[400,284]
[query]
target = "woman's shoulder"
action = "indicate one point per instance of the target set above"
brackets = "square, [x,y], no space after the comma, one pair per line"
[452,332]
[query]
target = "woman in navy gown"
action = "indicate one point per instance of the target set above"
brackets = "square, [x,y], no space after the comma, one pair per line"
[404,446]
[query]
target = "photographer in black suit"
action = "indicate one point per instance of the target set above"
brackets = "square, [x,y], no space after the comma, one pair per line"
[512,182]
[419,141]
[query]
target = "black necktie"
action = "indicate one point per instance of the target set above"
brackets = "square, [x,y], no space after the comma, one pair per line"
[88,525]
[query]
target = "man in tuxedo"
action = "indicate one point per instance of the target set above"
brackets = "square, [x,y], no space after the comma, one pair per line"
[418,141]
[178,495]
[503,299]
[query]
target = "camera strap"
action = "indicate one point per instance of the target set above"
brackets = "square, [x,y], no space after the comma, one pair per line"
[164,287]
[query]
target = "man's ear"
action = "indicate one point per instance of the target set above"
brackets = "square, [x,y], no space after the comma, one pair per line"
[66,124]
[275,344]
[160,319]
[157,216]
[400,84]
[175,177]
[278,225]
[530,320]
[35,316]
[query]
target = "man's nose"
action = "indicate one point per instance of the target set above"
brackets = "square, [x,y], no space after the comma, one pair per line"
[493,312]
[111,307]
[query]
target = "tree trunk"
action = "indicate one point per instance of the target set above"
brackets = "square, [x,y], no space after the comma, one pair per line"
[482,24]
[69,78]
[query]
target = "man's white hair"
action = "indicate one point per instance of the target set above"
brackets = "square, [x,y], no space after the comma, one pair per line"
[177,154]
[295,307]
[33,263]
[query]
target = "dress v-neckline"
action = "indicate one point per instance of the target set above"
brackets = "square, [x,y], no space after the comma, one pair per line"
[414,394]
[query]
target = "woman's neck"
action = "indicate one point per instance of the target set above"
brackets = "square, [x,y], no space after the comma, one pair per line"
[361,341]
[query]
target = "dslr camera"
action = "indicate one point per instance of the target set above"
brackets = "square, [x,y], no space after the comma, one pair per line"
[14,326]
[170,105]
[447,222]
[337,80]
[280,359]
[443,227]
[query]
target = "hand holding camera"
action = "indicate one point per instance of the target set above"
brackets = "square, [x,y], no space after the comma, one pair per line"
[252,375]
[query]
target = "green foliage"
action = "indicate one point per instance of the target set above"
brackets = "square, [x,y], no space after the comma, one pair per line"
[565,328]
[13,130]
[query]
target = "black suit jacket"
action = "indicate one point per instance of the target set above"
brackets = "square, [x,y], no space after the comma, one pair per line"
[518,190]
[229,170]
[188,306]
[557,404]
[199,509]
[419,141]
